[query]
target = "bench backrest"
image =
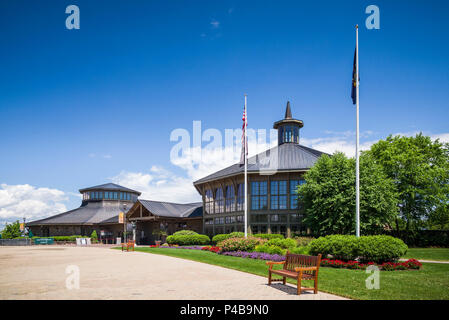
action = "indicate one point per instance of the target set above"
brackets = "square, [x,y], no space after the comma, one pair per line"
[293,261]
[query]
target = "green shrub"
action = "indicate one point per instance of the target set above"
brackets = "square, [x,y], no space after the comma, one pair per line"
[240,244]
[301,250]
[367,248]
[66,238]
[220,237]
[271,249]
[93,235]
[381,248]
[320,246]
[269,236]
[344,247]
[282,243]
[188,239]
[184,233]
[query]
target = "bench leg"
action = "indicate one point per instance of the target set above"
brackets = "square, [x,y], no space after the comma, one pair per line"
[299,286]
[269,277]
[283,280]
[315,291]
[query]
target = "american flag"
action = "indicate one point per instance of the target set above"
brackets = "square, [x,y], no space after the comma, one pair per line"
[244,145]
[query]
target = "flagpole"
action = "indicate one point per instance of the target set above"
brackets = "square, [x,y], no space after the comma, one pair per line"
[357,162]
[246,174]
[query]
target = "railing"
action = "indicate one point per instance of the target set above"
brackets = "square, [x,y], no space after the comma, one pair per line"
[15,242]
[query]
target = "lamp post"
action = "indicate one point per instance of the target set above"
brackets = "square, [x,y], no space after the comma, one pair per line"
[124,223]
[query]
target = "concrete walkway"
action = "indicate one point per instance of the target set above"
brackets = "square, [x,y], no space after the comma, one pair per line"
[39,272]
[427,261]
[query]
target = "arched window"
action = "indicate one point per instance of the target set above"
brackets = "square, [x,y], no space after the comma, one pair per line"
[209,202]
[230,199]
[219,202]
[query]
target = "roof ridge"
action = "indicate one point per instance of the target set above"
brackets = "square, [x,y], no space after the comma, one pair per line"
[183,204]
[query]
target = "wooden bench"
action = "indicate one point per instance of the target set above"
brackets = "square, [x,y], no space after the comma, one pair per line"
[299,267]
[128,245]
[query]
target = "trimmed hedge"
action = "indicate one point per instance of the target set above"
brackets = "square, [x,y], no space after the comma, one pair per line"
[63,238]
[184,233]
[367,248]
[268,236]
[220,237]
[188,239]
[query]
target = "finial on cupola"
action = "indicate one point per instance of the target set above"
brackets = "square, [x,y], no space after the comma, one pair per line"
[288,128]
[288,111]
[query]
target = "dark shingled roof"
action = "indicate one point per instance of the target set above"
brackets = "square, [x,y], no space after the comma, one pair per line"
[110,187]
[103,212]
[88,214]
[284,157]
[173,210]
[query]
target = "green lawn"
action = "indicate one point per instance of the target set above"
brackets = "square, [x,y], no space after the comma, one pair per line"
[431,282]
[435,254]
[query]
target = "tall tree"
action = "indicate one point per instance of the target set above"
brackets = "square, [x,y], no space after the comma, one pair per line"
[328,196]
[419,168]
[11,230]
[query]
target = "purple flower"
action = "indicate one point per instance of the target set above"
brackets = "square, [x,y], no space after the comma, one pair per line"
[255,255]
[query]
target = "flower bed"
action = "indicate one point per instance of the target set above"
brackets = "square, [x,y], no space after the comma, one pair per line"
[254,255]
[387,266]
[212,249]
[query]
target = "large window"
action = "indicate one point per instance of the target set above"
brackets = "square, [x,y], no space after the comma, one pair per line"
[259,195]
[293,195]
[230,199]
[219,201]
[219,220]
[209,202]
[241,197]
[278,195]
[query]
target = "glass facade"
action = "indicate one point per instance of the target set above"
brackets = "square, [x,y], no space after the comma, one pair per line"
[230,199]
[259,195]
[219,201]
[240,197]
[273,207]
[293,196]
[278,195]
[209,202]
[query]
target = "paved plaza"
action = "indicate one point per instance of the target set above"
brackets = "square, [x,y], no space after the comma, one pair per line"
[39,272]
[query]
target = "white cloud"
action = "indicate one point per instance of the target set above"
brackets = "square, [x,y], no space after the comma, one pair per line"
[24,200]
[215,24]
[163,185]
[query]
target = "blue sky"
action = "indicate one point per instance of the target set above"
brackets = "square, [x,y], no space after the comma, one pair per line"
[98,104]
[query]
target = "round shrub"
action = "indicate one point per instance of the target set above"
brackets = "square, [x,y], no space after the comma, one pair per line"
[343,246]
[240,244]
[220,237]
[269,236]
[367,248]
[184,233]
[188,239]
[381,248]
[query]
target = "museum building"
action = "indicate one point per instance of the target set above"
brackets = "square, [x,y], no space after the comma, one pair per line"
[273,178]
[100,208]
